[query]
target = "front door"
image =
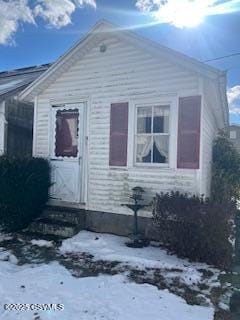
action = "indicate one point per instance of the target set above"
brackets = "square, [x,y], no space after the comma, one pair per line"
[67,152]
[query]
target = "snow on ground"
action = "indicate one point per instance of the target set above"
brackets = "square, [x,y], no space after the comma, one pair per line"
[42,243]
[113,248]
[105,297]
[90,298]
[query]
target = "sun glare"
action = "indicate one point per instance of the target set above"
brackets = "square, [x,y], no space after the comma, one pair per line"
[183,13]
[187,13]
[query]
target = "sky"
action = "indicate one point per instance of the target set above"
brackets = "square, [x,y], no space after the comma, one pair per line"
[34,32]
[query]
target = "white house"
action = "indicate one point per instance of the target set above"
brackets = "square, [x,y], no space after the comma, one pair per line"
[118,111]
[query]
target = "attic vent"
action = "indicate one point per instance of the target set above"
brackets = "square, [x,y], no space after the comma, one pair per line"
[103,48]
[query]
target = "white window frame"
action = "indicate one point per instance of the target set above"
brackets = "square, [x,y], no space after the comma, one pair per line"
[153,164]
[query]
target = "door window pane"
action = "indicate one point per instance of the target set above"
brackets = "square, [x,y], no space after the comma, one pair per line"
[144,120]
[66,143]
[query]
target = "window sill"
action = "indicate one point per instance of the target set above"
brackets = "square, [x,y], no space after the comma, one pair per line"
[151,166]
[122,168]
[152,170]
[142,167]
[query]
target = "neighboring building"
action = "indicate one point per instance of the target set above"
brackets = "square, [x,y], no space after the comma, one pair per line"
[234,134]
[16,118]
[119,111]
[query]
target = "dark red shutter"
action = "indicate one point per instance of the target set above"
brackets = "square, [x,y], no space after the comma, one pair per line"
[189,132]
[118,134]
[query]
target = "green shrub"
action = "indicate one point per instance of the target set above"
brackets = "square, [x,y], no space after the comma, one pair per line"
[225,170]
[195,228]
[24,185]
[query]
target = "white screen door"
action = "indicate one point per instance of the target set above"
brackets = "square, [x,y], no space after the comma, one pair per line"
[67,152]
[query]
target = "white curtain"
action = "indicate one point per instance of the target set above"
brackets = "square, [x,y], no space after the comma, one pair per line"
[145,112]
[144,146]
[161,111]
[162,144]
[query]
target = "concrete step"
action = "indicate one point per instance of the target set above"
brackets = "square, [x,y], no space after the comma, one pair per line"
[74,216]
[59,222]
[29,235]
[47,226]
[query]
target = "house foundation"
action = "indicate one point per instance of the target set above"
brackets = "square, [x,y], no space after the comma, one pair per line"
[65,222]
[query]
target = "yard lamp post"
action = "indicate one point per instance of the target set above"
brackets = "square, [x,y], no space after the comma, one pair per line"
[137,196]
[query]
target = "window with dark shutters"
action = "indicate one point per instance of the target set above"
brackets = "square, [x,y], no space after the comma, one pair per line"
[118,134]
[189,132]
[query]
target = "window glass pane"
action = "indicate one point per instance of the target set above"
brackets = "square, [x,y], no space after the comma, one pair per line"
[144,120]
[160,149]
[144,146]
[66,144]
[161,119]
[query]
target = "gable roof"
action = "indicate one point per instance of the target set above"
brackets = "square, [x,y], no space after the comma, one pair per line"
[14,81]
[99,33]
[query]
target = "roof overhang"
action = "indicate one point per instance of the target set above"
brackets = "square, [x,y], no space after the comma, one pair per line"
[12,93]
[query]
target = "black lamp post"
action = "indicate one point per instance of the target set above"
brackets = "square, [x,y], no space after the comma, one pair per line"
[137,196]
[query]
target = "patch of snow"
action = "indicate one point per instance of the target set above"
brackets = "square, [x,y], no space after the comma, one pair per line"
[42,243]
[224,306]
[7,256]
[103,297]
[112,248]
